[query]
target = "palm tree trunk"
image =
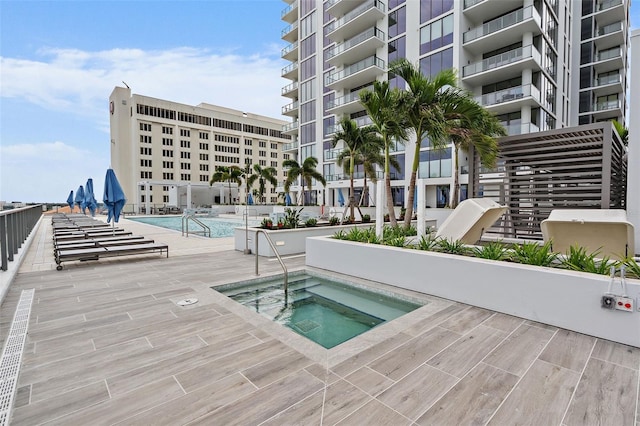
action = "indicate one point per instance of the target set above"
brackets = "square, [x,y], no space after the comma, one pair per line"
[387,185]
[456,182]
[412,185]
[351,190]
[229,192]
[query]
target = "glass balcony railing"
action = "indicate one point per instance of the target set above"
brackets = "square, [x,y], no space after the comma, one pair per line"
[331,154]
[354,68]
[290,68]
[291,107]
[289,8]
[372,4]
[500,23]
[469,3]
[290,126]
[508,95]
[502,59]
[290,146]
[370,33]
[610,79]
[289,48]
[290,87]
[606,105]
[346,99]
[611,28]
[608,4]
[609,54]
[288,29]
[520,128]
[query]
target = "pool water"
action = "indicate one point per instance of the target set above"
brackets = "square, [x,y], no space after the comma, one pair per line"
[324,311]
[219,227]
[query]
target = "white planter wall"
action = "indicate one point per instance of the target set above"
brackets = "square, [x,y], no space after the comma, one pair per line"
[561,298]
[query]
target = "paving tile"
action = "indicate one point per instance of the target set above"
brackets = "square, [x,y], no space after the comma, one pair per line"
[415,393]
[541,397]
[51,350]
[75,328]
[306,412]
[265,403]
[520,349]
[60,404]
[22,397]
[467,320]
[400,361]
[468,351]
[375,413]
[369,381]
[355,362]
[606,394]
[340,400]
[433,320]
[617,353]
[276,368]
[503,322]
[120,408]
[472,400]
[568,349]
[322,373]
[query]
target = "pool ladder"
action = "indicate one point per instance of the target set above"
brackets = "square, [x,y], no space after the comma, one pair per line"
[273,247]
[206,231]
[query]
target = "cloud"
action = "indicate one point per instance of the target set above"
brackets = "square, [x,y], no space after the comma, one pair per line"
[79,82]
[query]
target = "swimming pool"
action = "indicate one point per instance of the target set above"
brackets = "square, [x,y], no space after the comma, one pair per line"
[219,227]
[323,310]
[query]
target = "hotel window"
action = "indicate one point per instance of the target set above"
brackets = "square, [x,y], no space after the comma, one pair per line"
[262,153]
[167,141]
[204,178]
[165,198]
[145,127]
[263,163]
[432,65]
[437,34]
[167,176]
[146,175]
[185,166]
[204,146]
[145,151]
[248,142]
[145,139]
[397,22]
[167,130]
[167,164]
[204,167]
[185,155]
[185,176]
[274,146]
[262,144]
[274,155]
[167,153]
[274,164]
[204,157]
[185,132]
[185,144]
[248,151]
[204,135]
[430,9]
[145,163]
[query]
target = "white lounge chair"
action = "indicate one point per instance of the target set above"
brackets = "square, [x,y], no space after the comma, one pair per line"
[469,220]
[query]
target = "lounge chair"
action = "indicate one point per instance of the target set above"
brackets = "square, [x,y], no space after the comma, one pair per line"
[95,253]
[605,231]
[470,219]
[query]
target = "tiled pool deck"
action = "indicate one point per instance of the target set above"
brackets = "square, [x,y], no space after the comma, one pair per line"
[107,344]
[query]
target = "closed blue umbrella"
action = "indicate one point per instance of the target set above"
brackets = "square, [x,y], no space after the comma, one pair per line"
[80,199]
[287,199]
[70,201]
[113,198]
[340,197]
[90,199]
[250,200]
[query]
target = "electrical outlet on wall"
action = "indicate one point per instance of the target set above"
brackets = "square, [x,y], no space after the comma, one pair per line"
[623,303]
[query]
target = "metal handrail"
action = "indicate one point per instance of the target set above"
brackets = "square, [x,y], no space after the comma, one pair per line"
[206,231]
[15,227]
[273,247]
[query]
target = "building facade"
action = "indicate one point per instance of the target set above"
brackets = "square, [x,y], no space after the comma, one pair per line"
[159,146]
[537,64]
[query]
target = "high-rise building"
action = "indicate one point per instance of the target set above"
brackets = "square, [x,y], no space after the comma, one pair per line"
[158,146]
[536,64]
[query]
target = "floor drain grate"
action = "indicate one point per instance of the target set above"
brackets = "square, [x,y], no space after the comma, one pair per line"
[12,355]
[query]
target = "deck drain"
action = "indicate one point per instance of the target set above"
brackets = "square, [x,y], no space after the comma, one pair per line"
[306,325]
[12,355]
[187,302]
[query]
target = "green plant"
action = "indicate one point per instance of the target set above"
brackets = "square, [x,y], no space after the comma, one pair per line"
[452,247]
[632,267]
[495,250]
[577,259]
[333,220]
[366,218]
[340,235]
[530,253]
[426,243]
[266,223]
[311,222]
[292,217]
[396,241]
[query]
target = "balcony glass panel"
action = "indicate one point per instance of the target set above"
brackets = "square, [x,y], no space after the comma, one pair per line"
[290,146]
[609,54]
[469,3]
[290,87]
[343,100]
[610,79]
[372,32]
[509,94]
[289,68]
[355,13]
[290,126]
[289,8]
[605,105]
[611,28]
[608,4]
[288,108]
[500,23]
[502,59]
[289,48]
[352,69]
[288,29]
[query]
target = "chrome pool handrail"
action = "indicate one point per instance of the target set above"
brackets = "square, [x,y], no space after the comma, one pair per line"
[273,247]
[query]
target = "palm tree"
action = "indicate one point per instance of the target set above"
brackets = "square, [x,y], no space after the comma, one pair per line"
[425,115]
[470,126]
[262,175]
[355,141]
[371,158]
[622,132]
[230,174]
[306,171]
[384,106]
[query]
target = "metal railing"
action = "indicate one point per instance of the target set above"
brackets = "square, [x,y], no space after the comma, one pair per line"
[15,227]
[502,59]
[206,231]
[502,22]
[372,61]
[611,28]
[360,10]
[354,41]
[275,251]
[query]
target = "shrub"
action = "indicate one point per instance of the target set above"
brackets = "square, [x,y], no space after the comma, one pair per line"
[632,267]
[495,250]
[266,223]
[340,235]
[292,217]
[534,254]
[396,241]
[333,220]
[310,223]
[427,243]
[366,218]
[452,247]
[577,259]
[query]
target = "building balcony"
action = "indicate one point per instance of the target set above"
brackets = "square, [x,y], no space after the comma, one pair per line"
[357,74]
[290,128]
[290,33]
[357,20]
[608,60]
[331,154]
[521,129]
[485,10]
[605,110]
[502,66]
[607,85]
[290,53]
[356,48]
[290,71]
[360,121]
[338,8]
[610,11]
[290,13]
[511,99]
[290,90]
[509,28]
[291,146]
[291,109]
[346,104]
[610,36]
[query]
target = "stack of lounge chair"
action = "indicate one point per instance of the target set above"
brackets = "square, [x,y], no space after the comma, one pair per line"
[79,237]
